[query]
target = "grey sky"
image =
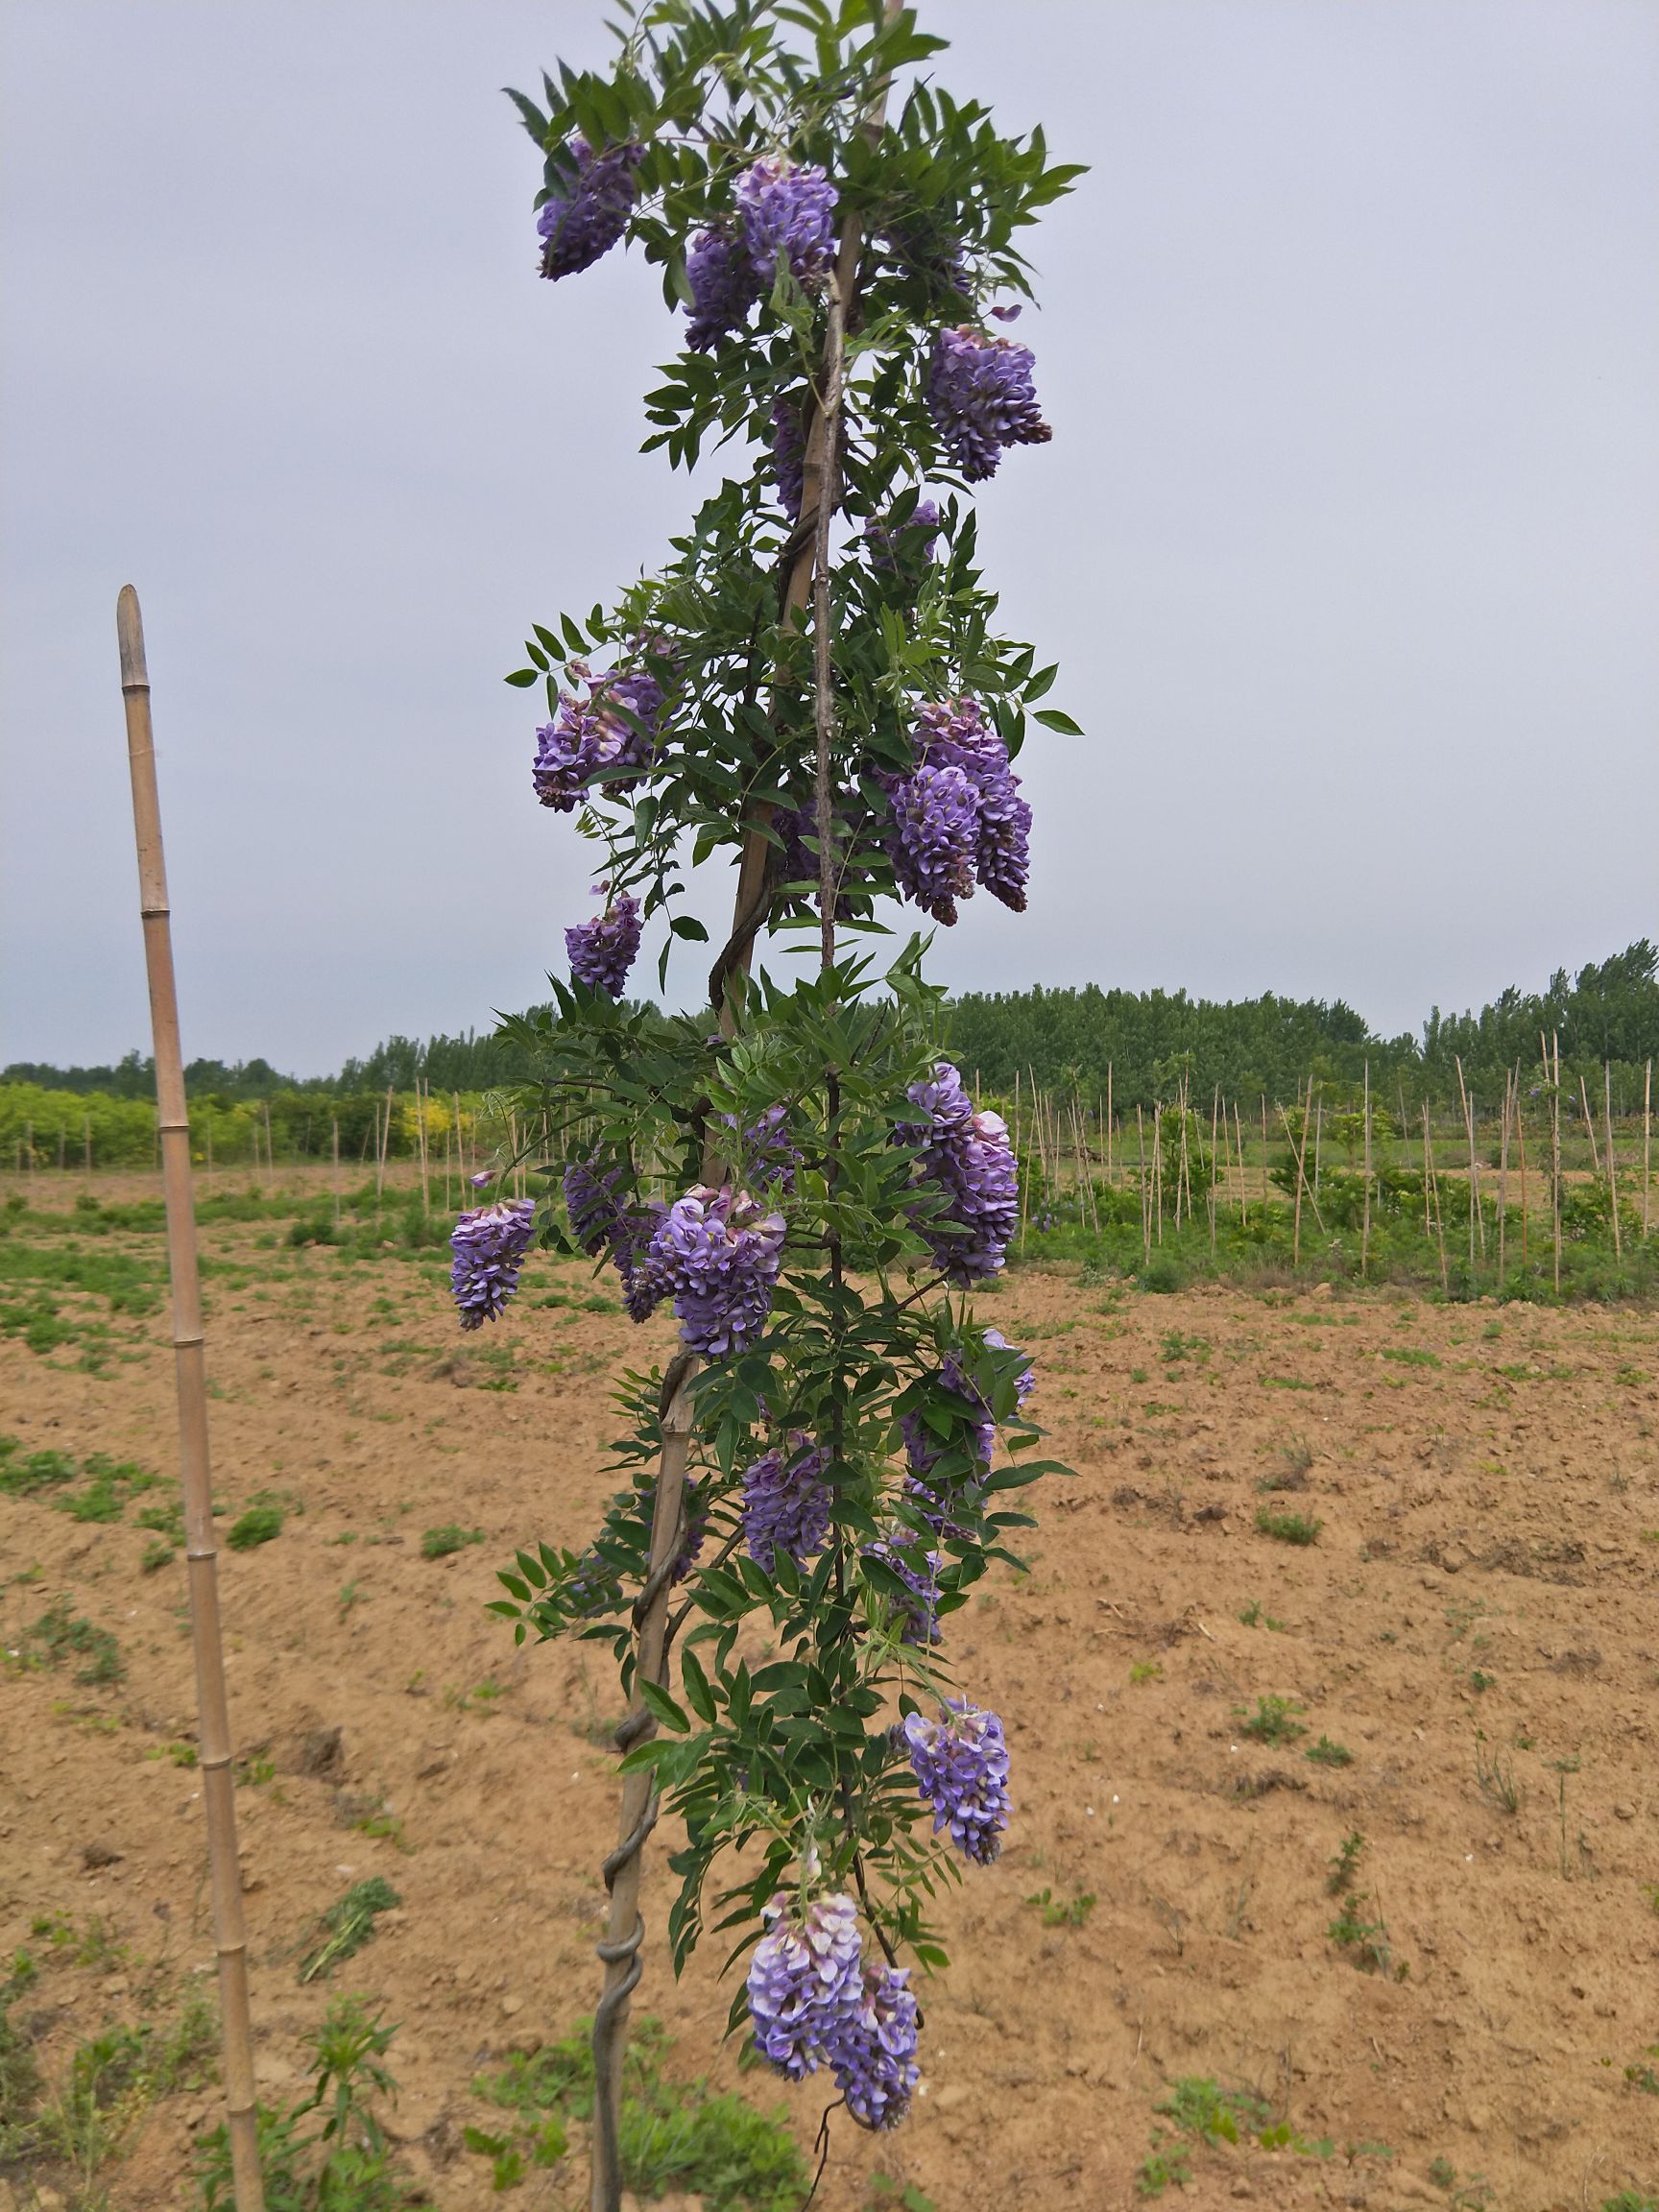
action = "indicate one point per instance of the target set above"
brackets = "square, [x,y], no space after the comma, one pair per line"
[1347,542]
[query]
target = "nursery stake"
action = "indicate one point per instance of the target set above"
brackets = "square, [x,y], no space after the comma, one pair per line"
[213,1712]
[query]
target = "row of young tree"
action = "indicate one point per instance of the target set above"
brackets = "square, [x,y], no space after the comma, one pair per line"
[1247,1047]
[1153,1041]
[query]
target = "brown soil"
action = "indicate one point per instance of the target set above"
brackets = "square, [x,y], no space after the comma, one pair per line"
[1481,1588]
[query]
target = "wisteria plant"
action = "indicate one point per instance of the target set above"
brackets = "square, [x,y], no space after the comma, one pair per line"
[816,686]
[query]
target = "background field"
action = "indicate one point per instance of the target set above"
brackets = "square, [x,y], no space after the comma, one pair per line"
[1471,1621]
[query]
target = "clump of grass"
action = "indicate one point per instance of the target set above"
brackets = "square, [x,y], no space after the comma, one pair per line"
[35,1471]
[256,1527]
[440,1543]
[674,2134]
[1290,1469]
[348,1925]
[1325,1754]
[1063,1912]
[1344,1869]
[1409,1355]
[1252,1614]
[1366,1940]
[1146,1671]
[61,1635]
[1274,1720]
[345,2166]
[1495,1779]
[1287,1527]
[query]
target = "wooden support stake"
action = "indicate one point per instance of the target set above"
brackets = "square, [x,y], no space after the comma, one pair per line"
[218,1786]
[1365,1221]
[1612,1170]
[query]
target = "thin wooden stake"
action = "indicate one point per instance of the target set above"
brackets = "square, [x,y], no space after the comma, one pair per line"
[214,1764]
[1243,1200]
[1504,1180]
[1521,1146]
[1647,1146]
[1590,1126]
[1430,1182]
[334,1136]
[1555,1155]
[422,1101]
[1146,1193]
[1365,1222]
[1612,1170]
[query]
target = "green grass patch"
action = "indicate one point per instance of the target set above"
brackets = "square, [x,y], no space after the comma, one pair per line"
[1287,1527]
[349,1923]
[256,1527]
[440,1543]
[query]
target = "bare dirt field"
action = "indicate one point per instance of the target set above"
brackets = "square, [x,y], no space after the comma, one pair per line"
[1475,1623]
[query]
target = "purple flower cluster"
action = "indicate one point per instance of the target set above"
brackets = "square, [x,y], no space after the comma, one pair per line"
[719,1255]
[981,396]
[789,452]
[897,546]
[813,2001]
[488,1246]
[967,1156]
[578,225]
[932,838]
[722,283]
[959,817]
[594,734]
[600,1221]
[919,1607]
[789,211]
[603,951]
[769,1159]
[960,1761]
[785,1503]
[923,1452]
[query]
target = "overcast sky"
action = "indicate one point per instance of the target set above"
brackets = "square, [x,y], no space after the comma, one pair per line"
[1347,541]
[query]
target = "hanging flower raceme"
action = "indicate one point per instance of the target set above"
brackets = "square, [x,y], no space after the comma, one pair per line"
[786,1503]
[723,289]
[919,1571]
[903,547]
[954,734]
[813,2003]
[981,396]
[582,221]
[788,453]
[966,1155]
[602,951]
[718,1253]
[960,1761]
[612,727]
[489,1245]
[932,838]
[602,1221]
[874,2053]
[786,210]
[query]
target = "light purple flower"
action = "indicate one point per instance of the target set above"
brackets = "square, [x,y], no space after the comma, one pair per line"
[786,1503]
[723,289]
[966,1155]
[960,1761]
[579,223]
[489,1245]
[919,1571]
[874,2050]
[805,1983]
[789,211]
[719,1255]
[602,951]
[981,396]
[932,838]
[601,1222]
[789,452]
[897,547]
[613,727]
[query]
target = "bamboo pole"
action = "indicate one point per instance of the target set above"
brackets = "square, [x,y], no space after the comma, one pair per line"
[1430,1182]
[1504,1180]
[1109,1123]
[1365,1221]
[1146,1193]
[423,1099]
[1521,1146]
[334,1148]
[1612,1170]
[1243,1199]
[218,1787]
[1158,1162]
[1647,1146]
[1555,1156]
[1264,1191]
[1590,1126]
[1214,1124]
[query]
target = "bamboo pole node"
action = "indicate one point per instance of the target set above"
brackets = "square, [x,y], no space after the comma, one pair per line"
[174,1141]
